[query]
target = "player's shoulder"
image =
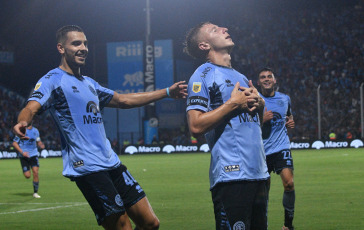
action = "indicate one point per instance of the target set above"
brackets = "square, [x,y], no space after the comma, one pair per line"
[90,80]
[53,74]
[205,70]
[280,94]
[35,129]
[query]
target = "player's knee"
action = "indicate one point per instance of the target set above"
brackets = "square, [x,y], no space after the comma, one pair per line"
[152,225]
[27,175]
[288,185]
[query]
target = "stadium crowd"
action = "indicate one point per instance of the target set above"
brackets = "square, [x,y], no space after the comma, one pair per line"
[10,102]
[306,48]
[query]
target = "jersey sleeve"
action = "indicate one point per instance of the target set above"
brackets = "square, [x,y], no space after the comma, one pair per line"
[105,95]
[42,92]
[198,94]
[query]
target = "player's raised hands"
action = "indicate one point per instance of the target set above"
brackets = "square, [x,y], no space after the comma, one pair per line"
[178,90]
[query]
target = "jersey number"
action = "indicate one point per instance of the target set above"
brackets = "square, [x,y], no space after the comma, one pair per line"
[287,155]
[129,179]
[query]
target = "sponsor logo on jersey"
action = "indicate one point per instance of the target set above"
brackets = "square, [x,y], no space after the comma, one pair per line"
[75,90]
[93,108]
[92,90]
[197,100]
[78,164]
[277,120]
[228,83]
[196,87]
[37,95]
[205,71]
[246,117]
[37,86]
[232,168]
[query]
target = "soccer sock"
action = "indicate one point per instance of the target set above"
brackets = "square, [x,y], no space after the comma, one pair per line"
[289,198]
[35,186]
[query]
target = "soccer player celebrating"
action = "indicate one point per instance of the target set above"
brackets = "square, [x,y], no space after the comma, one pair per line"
[225,106]
[75,102]
[28,155]
[277,118]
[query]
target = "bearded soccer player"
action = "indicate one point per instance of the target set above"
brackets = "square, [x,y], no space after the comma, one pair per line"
[75,101]
[224,106]
[277,118]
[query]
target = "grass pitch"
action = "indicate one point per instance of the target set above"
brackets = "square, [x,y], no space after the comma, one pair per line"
[329,192]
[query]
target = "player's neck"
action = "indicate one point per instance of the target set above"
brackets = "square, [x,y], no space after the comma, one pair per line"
[222,59]
[76,71]
[268,92]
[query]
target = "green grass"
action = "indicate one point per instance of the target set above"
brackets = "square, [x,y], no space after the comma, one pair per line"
[329,192]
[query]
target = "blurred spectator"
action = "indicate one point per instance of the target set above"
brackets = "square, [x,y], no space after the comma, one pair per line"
[332,136]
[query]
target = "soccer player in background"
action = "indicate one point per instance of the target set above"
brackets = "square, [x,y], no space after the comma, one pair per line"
[75,102]
[28,155]
[277,118]
[225,106]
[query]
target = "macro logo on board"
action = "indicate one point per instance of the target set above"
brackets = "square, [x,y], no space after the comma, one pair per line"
[300,145]
[318,145]
[168,149]
[94,117]
[356,143]
[204,148]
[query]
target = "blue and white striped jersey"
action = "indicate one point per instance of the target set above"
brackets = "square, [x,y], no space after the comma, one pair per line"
[236,145]
[75,105]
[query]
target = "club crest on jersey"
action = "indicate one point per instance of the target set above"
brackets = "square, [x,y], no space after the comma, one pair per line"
[37,86]
[196,87]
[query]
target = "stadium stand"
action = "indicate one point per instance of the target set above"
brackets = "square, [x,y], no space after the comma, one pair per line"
[10,105]
[308,48]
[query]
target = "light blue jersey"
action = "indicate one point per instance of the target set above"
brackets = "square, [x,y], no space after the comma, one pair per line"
[236,145]
[29,145]
[275,137]
[75,105]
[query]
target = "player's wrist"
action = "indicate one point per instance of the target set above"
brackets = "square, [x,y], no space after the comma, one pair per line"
[167,92]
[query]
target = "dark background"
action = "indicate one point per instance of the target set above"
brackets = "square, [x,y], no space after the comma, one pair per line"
[28,27]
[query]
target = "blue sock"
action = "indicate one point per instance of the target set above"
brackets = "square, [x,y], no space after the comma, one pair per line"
[35,186]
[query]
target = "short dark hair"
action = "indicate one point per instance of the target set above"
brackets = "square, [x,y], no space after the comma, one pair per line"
[191,42]
[61,34]
[266,69]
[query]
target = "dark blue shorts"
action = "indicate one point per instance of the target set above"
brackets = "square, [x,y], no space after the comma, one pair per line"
[110,192]
[280,160]
[241,205]
[28,163]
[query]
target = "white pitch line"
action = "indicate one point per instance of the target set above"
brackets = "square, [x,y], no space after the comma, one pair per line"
[43,203]
[41,209]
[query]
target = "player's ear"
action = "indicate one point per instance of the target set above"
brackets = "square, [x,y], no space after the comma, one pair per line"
[204,46]
[60,48]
